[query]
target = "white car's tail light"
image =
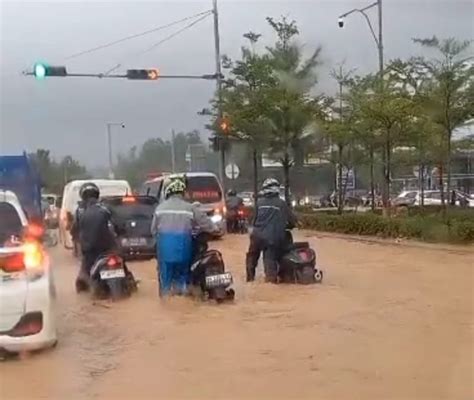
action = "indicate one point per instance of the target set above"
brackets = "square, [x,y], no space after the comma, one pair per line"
[28,258]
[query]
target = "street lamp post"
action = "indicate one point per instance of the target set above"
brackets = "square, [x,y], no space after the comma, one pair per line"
[222,141]
[109,145]
[378,38]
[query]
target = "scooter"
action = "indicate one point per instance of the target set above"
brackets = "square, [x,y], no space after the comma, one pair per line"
[110,278]
[298,263]
[208,273]
[238,223]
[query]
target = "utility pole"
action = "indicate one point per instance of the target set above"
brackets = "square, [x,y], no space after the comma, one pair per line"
[380,41]
[173,152]
[219,87]
[109,145]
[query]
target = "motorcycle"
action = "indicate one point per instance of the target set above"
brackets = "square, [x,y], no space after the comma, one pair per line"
[110,278]
[298,263]
[208,273]
[238,223]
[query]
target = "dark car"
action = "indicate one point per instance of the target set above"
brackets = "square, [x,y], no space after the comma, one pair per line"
[133,216]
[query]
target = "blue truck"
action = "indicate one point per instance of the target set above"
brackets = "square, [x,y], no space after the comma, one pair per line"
[18,174]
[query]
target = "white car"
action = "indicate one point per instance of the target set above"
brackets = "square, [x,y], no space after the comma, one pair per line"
[27,291]
[431,198]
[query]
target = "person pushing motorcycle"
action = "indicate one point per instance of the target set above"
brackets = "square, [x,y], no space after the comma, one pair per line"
[94,232]
[172,225]
[272,217]
[233,204]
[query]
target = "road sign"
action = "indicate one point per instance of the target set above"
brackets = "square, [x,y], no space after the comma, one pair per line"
[232,171]
[348,178]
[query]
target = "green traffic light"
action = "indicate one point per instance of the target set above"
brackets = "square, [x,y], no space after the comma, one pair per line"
[39,71]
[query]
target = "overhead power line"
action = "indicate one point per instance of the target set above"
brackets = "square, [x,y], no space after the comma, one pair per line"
[164,40]
[137,35]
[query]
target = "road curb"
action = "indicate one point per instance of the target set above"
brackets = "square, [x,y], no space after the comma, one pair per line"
[458,249]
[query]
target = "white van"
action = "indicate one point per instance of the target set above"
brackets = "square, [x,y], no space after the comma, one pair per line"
[203,187]
[71,198]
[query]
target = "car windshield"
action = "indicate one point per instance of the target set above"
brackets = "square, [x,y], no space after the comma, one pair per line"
[136,210]
[204,189]
[10,222]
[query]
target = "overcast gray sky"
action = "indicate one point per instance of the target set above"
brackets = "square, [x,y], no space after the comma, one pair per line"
[68,115]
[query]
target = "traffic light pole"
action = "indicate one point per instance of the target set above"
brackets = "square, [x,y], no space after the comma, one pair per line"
[124,76]
[219,94]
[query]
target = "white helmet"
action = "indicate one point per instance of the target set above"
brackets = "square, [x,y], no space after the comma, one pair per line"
[176,186]
[271,186]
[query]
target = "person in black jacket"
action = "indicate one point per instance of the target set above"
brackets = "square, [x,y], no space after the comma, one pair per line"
[233,204]
[95,232]
[75,228]
[272,218]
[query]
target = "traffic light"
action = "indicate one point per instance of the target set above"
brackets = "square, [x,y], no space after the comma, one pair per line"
[143,74]
[42,70]
[224,125]
[214,143]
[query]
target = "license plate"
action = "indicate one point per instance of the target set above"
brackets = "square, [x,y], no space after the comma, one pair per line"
[137,242]
[219,280]
[112,273]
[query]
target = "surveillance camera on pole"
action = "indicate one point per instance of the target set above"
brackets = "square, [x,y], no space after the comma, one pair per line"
[340,22]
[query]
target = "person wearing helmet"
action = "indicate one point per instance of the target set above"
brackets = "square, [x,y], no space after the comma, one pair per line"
[173,223]
[95,236]
[233,203]
[75,228]
[272,218]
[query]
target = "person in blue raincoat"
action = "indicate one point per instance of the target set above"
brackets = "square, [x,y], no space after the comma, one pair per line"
[173,223]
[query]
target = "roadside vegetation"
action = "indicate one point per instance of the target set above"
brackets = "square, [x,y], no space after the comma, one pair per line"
[430,224]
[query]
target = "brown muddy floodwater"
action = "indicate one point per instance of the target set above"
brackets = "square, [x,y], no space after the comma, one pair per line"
[389,322]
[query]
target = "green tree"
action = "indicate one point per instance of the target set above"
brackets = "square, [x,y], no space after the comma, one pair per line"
[245,99]
[448,81]
[293,112]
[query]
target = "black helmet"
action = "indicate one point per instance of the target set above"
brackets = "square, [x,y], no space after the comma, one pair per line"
[89,191]
[231,192]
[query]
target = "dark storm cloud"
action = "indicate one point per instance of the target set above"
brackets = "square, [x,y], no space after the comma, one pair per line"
[69,115]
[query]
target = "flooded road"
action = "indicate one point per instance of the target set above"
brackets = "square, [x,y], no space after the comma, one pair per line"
[389,322]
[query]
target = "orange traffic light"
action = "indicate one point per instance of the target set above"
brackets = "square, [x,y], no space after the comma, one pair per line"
[153,74]
[224,125]
[144,74]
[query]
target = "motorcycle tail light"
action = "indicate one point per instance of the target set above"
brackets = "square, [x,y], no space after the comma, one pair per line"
[304,255]
[114,262]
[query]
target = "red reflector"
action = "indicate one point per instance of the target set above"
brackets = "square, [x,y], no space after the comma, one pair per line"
[129,200]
